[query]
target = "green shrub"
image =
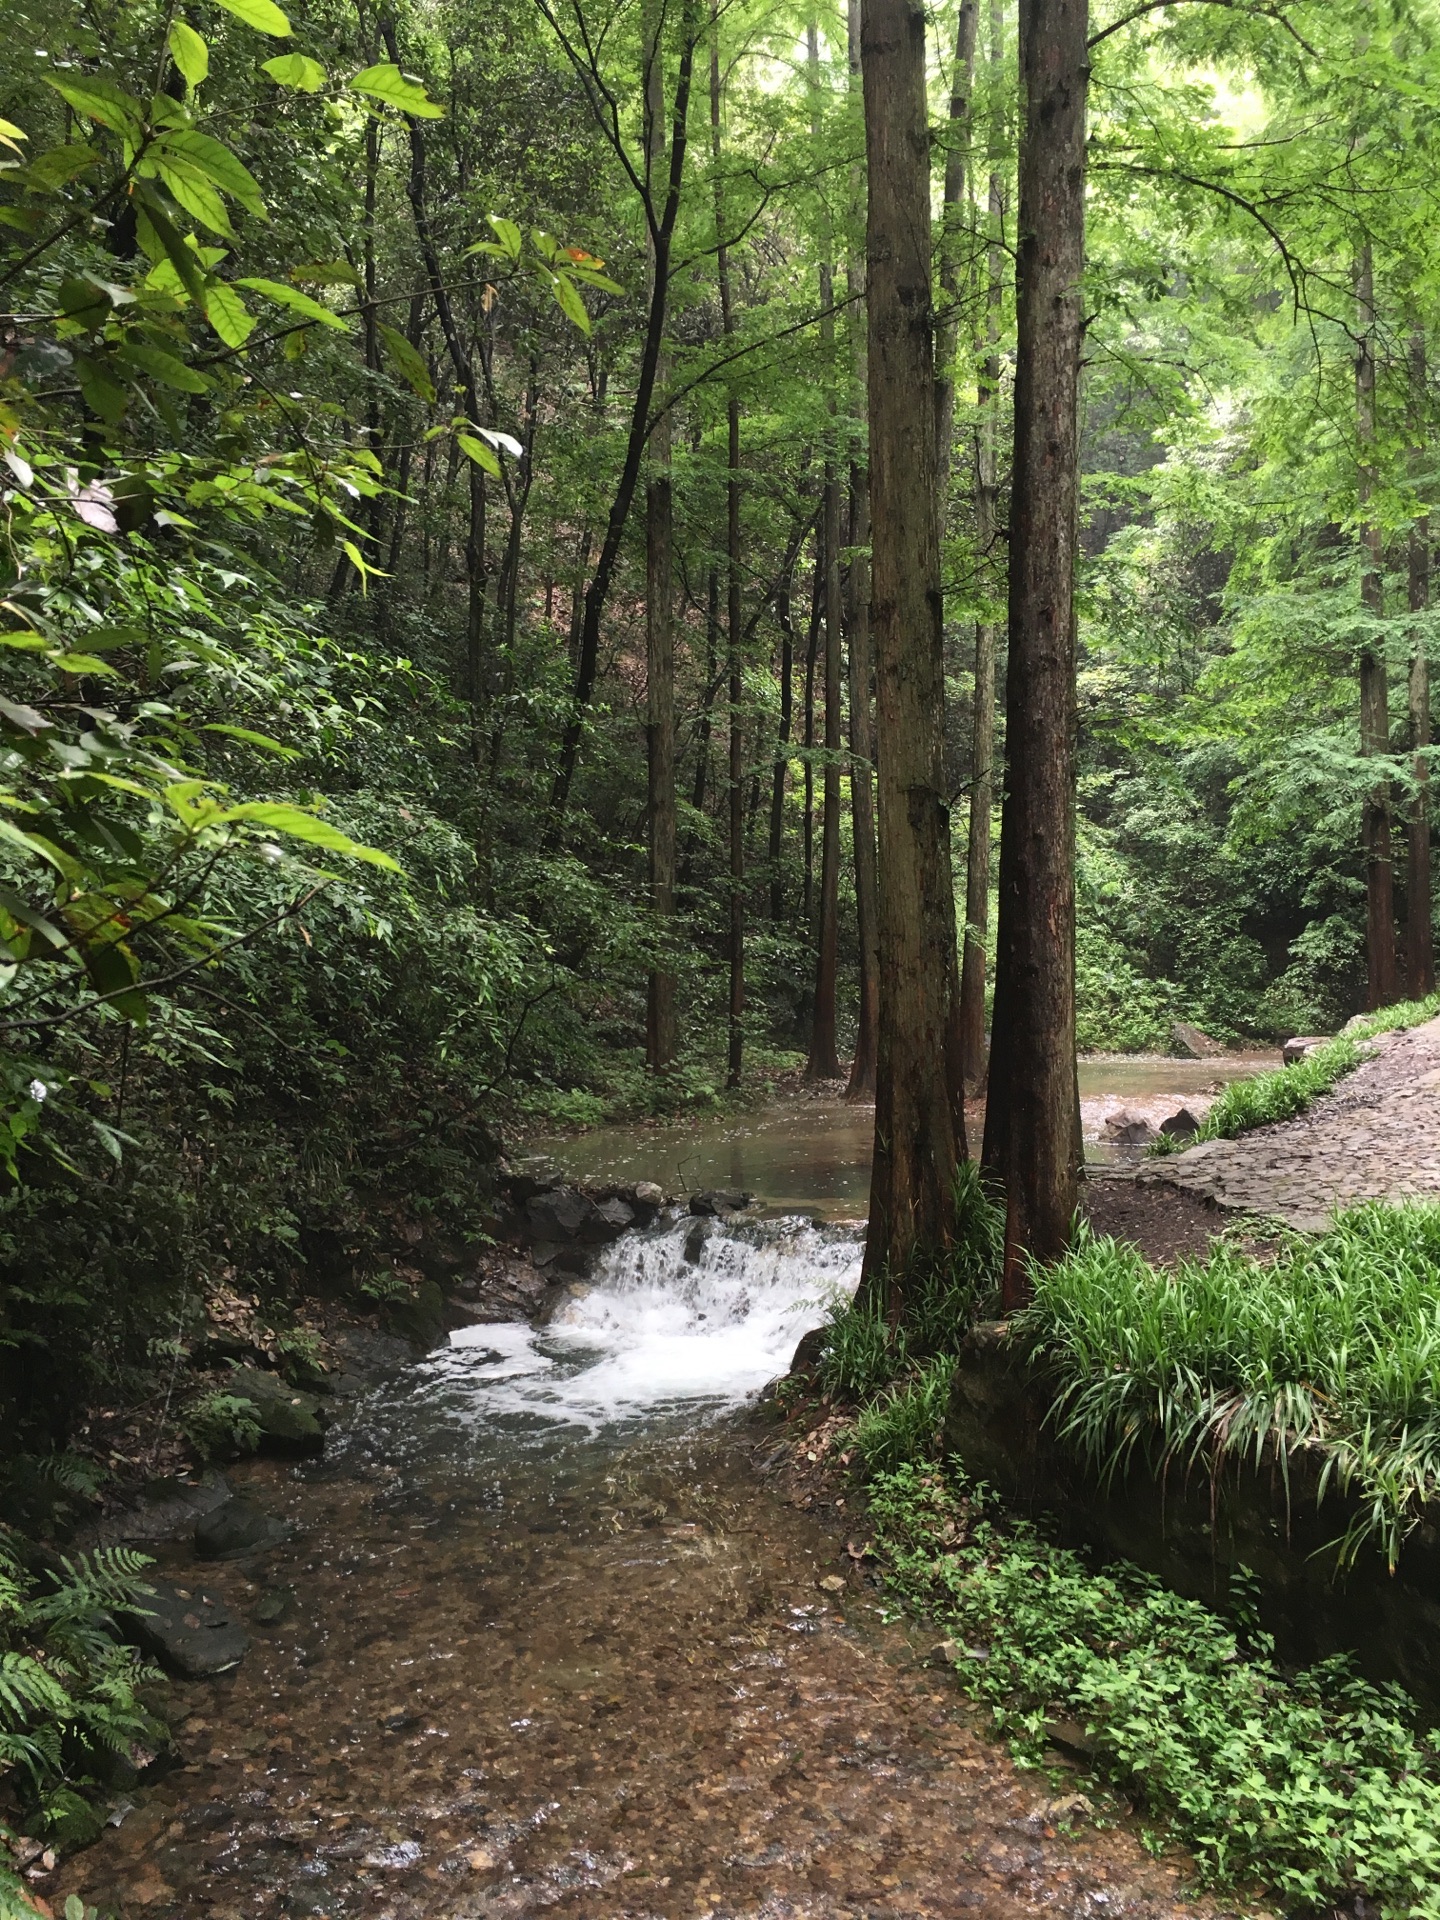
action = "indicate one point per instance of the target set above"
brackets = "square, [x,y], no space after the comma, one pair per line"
[221,1425]
[864,1352]
[903,1423]
[1319,1785]
[68,1689]
[1333,1343]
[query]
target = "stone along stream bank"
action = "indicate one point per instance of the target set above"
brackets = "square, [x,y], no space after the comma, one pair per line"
[550,1641]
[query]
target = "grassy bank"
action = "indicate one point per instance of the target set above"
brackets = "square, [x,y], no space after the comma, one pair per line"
[1317,1786]
[1286,1091]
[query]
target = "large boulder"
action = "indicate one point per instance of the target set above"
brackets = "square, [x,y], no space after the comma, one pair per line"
[290,1420]
[563,1214]
[1191,1044]
[1127,1129]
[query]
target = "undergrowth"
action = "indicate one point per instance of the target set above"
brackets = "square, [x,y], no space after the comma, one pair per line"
[864,1353]
[1320,1785]
[69,1691]
[1335,1343]
[1285,1091]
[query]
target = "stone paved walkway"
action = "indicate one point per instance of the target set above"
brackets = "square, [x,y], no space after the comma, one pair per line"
[1376,1137]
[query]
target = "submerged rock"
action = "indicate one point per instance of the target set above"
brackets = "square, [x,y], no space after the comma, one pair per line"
[1126,1129]
[191,1633]
[715,1200]
[291,1421]
[237,1528]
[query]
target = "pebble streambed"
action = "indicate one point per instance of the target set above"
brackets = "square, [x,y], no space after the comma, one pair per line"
[552,1645]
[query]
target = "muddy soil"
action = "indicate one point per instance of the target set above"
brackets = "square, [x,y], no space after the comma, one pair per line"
[586,1677]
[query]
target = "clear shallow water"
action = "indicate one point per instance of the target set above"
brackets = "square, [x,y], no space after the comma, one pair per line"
[552,1645]
[815,1152]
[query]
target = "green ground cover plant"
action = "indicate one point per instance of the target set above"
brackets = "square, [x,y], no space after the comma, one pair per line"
[70,1693]
[1334,1343]
[1319,1785]
[1286,1091]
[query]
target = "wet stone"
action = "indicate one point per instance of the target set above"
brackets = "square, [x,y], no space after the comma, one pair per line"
[191,1632]
[236,1529]
[290,1421]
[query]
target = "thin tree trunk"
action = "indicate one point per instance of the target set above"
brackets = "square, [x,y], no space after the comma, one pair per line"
[824,1060]
[861,1085]
[982,792]
[660,1034]
[1419,923]
[919,1121]
[1032,1071]
[952,231]
[735,638]
[785,621]
[707,697]
[661,224]
[1381,984]
[812,651]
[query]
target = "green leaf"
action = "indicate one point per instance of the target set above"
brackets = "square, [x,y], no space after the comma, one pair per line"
[261,740]
[386,83]
[227,313]
[477,451]
[408,362]
[508,234]
[102,100]
[165,367]
[82,302]
[297,302]
[103,392]
[279,818]
[571,305]
[295,70]
[217,163]
[58,167]
[326,273]
[189,52]
[11,136]
[192,191]
[263,15]
[161,240]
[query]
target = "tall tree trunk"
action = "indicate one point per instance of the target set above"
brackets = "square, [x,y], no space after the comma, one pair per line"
[919,1121]
[982,791]
[1032,1071]
[660,221]
[824,1061]
[734,636]
[1381,984]
[952,233]
[862,737]
[1419,923]
[660,1036]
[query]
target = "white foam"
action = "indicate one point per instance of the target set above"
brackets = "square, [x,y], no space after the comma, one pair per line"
[656,1329]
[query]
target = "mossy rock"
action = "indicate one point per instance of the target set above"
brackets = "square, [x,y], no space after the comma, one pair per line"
[290,1420]
[422,1318]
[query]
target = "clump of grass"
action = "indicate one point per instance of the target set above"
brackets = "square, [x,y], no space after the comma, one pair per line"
[903,1423]
[1335,1344]
[1319,1785]
[1285,1091]
[865,1353]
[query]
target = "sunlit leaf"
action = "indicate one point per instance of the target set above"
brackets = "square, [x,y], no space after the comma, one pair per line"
[263,15]
[276,817]
[297,302]
[477,451]
[102,100]
[227,313]
[386,83]
[189,52]
[297,71]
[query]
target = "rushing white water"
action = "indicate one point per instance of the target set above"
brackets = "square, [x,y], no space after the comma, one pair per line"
[696,1314]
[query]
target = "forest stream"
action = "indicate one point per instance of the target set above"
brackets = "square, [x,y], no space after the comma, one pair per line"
[544,1639]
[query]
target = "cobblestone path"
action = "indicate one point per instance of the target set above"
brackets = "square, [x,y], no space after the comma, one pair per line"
[1375,1137]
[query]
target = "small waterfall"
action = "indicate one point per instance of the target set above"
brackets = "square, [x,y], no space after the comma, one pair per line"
[697,1313]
